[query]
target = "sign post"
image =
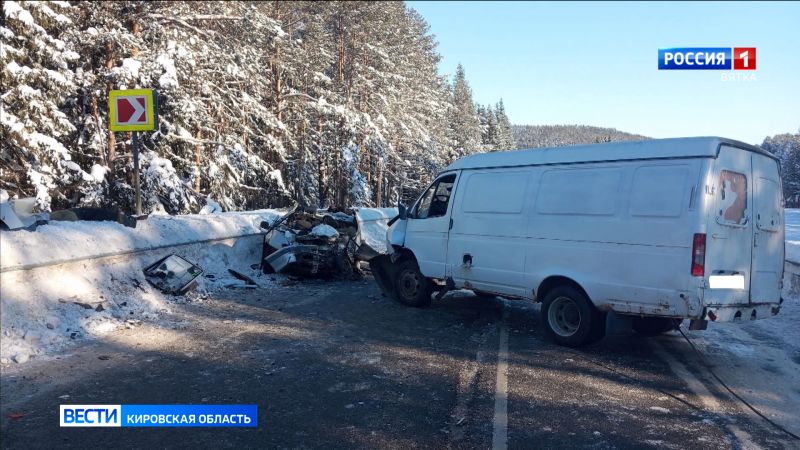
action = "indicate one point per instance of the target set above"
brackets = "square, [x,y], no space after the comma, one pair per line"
[134,110]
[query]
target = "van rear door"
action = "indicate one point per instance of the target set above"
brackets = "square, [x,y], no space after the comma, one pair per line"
[729,238]
[768,233]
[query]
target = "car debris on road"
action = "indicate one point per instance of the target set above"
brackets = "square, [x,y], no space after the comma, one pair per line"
[173,274]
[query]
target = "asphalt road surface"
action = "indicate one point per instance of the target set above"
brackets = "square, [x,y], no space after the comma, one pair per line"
[335,365]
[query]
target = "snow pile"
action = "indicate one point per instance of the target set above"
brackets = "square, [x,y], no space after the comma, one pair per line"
[76,288]
[65,241]
[211,206]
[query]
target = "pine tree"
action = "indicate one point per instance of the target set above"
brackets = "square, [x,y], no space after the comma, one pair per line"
[505,136]
[37,80]
[464,123]
[787,148]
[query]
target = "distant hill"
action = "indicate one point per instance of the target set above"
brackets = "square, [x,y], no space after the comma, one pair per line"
[534,136]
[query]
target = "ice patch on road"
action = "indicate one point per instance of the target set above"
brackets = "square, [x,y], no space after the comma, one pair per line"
[660,409]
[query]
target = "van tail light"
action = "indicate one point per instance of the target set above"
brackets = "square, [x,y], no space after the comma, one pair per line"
[699,255]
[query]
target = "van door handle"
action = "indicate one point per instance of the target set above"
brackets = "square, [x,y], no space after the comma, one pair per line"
[755,239]
[451,225]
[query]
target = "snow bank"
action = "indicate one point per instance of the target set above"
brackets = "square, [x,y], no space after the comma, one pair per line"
[69,281]
[59,242]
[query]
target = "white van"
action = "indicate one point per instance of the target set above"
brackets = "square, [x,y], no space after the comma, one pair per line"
[660,230]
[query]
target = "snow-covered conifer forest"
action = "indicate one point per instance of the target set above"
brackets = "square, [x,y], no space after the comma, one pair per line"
[261,103]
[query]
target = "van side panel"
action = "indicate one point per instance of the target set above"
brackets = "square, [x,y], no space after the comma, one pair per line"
[486,249]
[623,231]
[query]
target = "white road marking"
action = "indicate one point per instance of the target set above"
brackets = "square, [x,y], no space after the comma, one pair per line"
[706,397]
[500,431]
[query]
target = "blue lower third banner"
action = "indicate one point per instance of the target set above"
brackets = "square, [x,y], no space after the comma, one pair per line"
[158,415]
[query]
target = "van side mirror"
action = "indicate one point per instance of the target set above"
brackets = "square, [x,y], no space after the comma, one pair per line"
[402,214]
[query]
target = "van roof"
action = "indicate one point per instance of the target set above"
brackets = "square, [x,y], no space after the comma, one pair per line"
[692,147]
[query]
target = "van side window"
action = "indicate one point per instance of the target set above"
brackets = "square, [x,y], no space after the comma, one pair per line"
[434,202]
[732,197]
[480,192]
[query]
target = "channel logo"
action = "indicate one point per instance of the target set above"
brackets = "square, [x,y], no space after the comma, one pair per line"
[158,415]
[90,415]
[707,58]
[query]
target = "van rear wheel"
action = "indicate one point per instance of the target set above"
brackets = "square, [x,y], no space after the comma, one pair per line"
[410,285]
[570,318]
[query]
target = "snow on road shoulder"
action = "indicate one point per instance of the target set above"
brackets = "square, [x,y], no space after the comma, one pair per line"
[44,309]
[760,360]
[59,241]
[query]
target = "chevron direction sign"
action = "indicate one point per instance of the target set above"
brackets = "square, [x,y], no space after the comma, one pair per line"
[133,109]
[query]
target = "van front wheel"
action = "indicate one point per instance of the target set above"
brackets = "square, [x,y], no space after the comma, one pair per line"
[411,286]
[570,318]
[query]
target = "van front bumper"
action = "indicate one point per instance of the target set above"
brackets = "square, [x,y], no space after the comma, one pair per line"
[741,312]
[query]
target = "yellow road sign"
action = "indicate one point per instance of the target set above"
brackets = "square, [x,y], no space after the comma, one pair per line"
[133,110]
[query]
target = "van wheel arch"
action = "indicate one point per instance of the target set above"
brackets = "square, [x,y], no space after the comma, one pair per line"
[596,319]
[403,254]
[554,281]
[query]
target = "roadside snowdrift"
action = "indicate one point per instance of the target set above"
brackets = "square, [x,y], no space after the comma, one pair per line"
[59,242]
[72,280]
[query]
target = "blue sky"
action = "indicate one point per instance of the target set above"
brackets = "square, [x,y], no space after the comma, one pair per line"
[596,63]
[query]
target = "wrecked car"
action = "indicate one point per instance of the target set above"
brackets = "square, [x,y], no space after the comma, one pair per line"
[310,244]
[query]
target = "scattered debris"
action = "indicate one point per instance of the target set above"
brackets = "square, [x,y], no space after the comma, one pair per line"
[9,218]
[103,357]
[173,274]
[243,277]
[17,214]
[16,415]
[97,306]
